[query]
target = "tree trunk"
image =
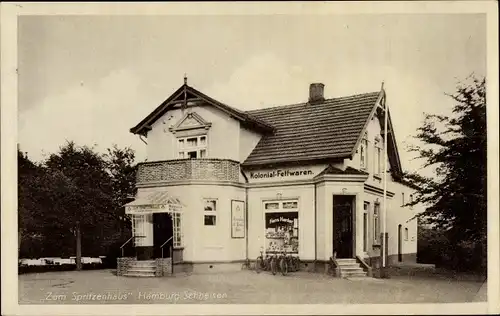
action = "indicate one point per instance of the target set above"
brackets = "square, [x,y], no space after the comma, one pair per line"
[78,247]
[19,239]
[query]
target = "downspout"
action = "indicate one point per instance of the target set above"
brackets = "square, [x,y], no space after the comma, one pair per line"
[246,215]
[140,137]
[315,224]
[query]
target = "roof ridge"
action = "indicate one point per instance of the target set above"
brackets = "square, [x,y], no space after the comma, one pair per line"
[304,103]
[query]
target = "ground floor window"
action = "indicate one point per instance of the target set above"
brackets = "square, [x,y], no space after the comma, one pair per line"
[139,229]
[376,223]
[282,226]
[176,222]
[365,226]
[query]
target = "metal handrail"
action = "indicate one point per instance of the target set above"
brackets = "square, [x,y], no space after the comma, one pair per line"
[161,247]
[124,244]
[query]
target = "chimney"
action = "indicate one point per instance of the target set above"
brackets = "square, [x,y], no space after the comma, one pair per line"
[316,93]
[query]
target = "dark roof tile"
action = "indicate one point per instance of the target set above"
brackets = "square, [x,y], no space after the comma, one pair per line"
[312,131]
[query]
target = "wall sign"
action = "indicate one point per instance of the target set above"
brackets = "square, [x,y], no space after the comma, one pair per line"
[237,219]
[280,173]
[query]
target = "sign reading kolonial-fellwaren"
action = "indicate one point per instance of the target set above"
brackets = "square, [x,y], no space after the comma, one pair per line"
[280,174]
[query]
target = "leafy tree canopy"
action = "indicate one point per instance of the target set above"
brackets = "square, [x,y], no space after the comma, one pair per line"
[455,146]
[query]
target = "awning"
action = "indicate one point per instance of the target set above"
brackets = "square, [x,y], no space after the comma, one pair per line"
[157,202]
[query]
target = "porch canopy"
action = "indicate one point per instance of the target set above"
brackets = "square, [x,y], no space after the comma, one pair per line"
[157,202]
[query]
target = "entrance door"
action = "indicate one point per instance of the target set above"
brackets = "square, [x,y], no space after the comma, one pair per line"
[342,226]
[163,230]
[400,243]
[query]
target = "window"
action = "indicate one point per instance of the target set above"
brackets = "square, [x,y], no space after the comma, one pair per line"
[210,212]
[282,227]
[192,147]
[406,233]
[139,223]
[176,219]
[411,201]
[376,223]
[403,198]
[365,226]
[363,152]
[378,157]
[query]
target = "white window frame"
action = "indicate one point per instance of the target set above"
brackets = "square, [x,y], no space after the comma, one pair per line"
[376,223]
[139,228]
[210,213]
[364,152]
[281,209]
[177,229]
[183,150]
[366,223]
[377,170]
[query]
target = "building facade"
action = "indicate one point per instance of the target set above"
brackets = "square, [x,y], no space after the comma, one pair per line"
[225,185]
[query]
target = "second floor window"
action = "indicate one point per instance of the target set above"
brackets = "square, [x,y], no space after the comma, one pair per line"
[192,147]
[363,152]
[378,157]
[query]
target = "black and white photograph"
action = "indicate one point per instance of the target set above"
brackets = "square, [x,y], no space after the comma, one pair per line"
[206,155]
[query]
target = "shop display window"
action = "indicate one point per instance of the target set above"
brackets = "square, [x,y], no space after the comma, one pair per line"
[282,227]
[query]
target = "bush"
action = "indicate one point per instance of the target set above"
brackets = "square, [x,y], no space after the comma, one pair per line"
[434,247]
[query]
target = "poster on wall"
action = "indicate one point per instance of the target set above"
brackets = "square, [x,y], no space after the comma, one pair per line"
[237,219]
[282,232]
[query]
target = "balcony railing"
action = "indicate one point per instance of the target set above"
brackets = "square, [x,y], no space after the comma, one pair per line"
[188,169]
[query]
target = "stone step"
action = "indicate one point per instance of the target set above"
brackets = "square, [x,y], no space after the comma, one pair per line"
[351,268]
[140,274]
[347,261]
[353,274]
[141,270]
[144,262]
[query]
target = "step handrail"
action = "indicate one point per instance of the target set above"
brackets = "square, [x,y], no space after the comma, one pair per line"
[125,243]
[161,247]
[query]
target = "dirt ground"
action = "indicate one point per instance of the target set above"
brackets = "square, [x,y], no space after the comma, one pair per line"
[246,287]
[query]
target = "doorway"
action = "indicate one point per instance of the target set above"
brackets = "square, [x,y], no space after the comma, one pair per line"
[162,231]
[400,243]
[342,225]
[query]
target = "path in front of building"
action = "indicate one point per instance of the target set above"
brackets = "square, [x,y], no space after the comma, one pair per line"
[242,287]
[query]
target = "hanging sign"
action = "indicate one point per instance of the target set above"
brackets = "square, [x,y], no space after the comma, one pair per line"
[237,219]
[152,208]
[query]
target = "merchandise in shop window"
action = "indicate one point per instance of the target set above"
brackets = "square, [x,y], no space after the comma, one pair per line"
[282,232]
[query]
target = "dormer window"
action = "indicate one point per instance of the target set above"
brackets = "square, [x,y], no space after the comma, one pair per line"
[363,153]
[192,147]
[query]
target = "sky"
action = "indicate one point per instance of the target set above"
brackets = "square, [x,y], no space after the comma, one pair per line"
[90,79]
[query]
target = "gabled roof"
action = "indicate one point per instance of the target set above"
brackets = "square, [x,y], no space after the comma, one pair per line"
[187,93]
[305,131]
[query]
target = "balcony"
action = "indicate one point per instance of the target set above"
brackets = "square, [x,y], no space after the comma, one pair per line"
[188,169]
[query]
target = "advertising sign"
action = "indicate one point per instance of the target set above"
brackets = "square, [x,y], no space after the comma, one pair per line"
[237,219]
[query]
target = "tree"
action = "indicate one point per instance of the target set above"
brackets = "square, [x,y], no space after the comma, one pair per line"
[122,169]
[85,200]
[77,195]
[455,146]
